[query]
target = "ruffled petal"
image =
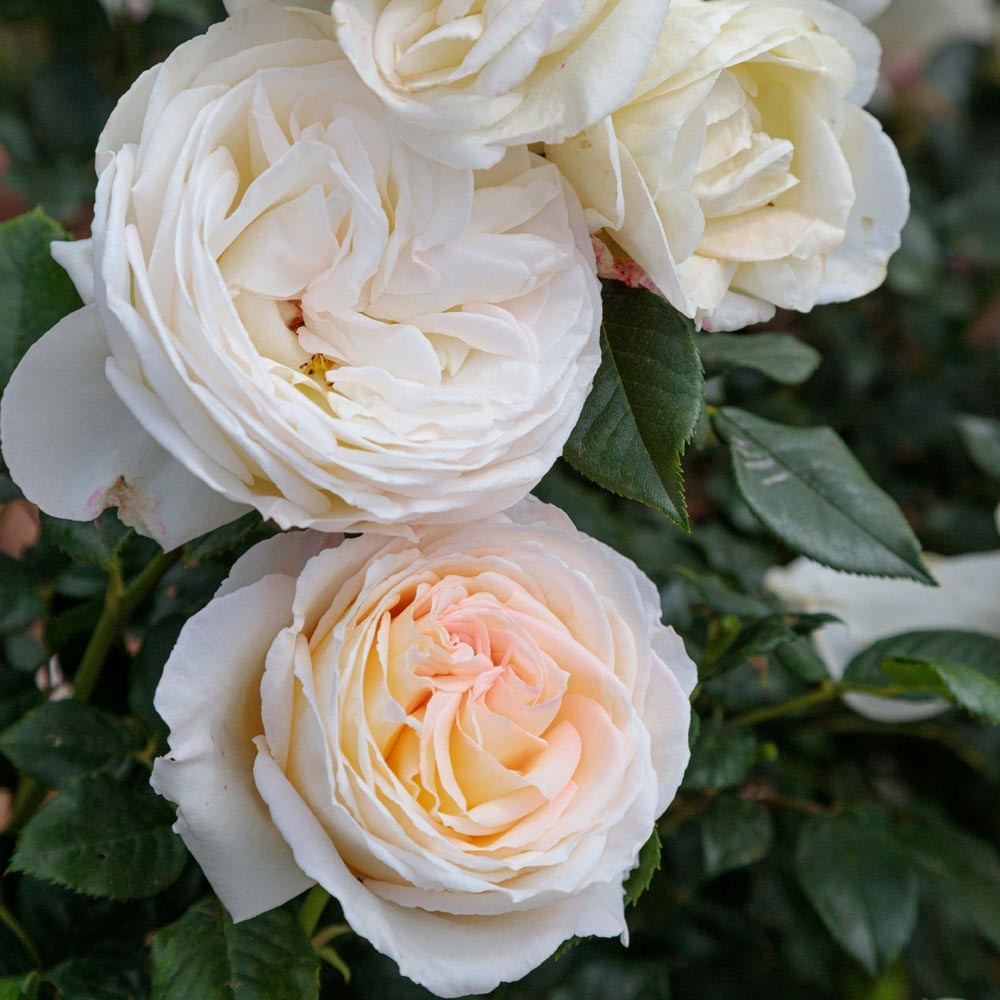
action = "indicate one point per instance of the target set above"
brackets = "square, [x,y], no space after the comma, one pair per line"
[212,705]
[74,448]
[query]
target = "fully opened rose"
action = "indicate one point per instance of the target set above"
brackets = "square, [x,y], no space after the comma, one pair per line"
[289,309]
[743,174]
[465,739]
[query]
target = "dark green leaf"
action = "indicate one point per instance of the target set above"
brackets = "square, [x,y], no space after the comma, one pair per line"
[96,977]
[721,758]
[206,955]
[103,839]
[808,489]
[963,869]
[647,866]
[971,648]
[65,740]
[734,833]
[645,404]
[24,652]
[966,686]
[96,542]
[35,292]
[764,636]
[779,355]
[615,979]
[222,539]
[18,609]
[801,660]
[982,440]
[859,884]
[157,645]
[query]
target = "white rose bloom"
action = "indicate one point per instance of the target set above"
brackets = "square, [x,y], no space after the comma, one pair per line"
[743,174]
[871,608]
[465,80]
[466,739]
[290,309]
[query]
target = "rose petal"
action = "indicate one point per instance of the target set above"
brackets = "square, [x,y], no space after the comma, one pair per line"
[75,449]
[209,771]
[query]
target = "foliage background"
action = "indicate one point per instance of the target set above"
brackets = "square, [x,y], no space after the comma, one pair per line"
[811,854]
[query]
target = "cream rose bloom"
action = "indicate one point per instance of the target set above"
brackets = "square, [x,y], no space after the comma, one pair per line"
[465,80]
[290,309]
[465,739]
[743,175]
[967,598]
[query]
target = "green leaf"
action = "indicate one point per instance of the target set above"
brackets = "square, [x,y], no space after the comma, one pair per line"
[966,686]
[104,839]
[859,884]
[981,437]
[646,867]
[157,645]
[97,542]
[971,648]
[222,539]
[735,833]
[780,356]
[721,758]
[608,978]
[65,740]
[963,869]
[645,404]
[764,636]
[206,955]
[808,490]
[20,987]
[800,659]
[98,977]
[35,292]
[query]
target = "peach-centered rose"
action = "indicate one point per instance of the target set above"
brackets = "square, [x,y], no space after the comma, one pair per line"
[465,740]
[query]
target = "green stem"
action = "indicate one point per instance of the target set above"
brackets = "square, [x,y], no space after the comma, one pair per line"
[312,909]
[8,918]
[119,603]
[322,938]
[27,801]
[828,691]
[103,637]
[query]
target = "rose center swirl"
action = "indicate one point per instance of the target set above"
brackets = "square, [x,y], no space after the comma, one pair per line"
[491,733]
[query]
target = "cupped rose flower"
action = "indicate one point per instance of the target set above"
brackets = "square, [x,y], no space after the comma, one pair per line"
[743,175]
[466,80]
[290,309]
[465,739]
[967,598]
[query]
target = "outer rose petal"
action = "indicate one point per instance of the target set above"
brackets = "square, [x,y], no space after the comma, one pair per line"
[96,456]
[451,955]
[880,211]
[871,608]
[77,257]
[212,704]
[286,554]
